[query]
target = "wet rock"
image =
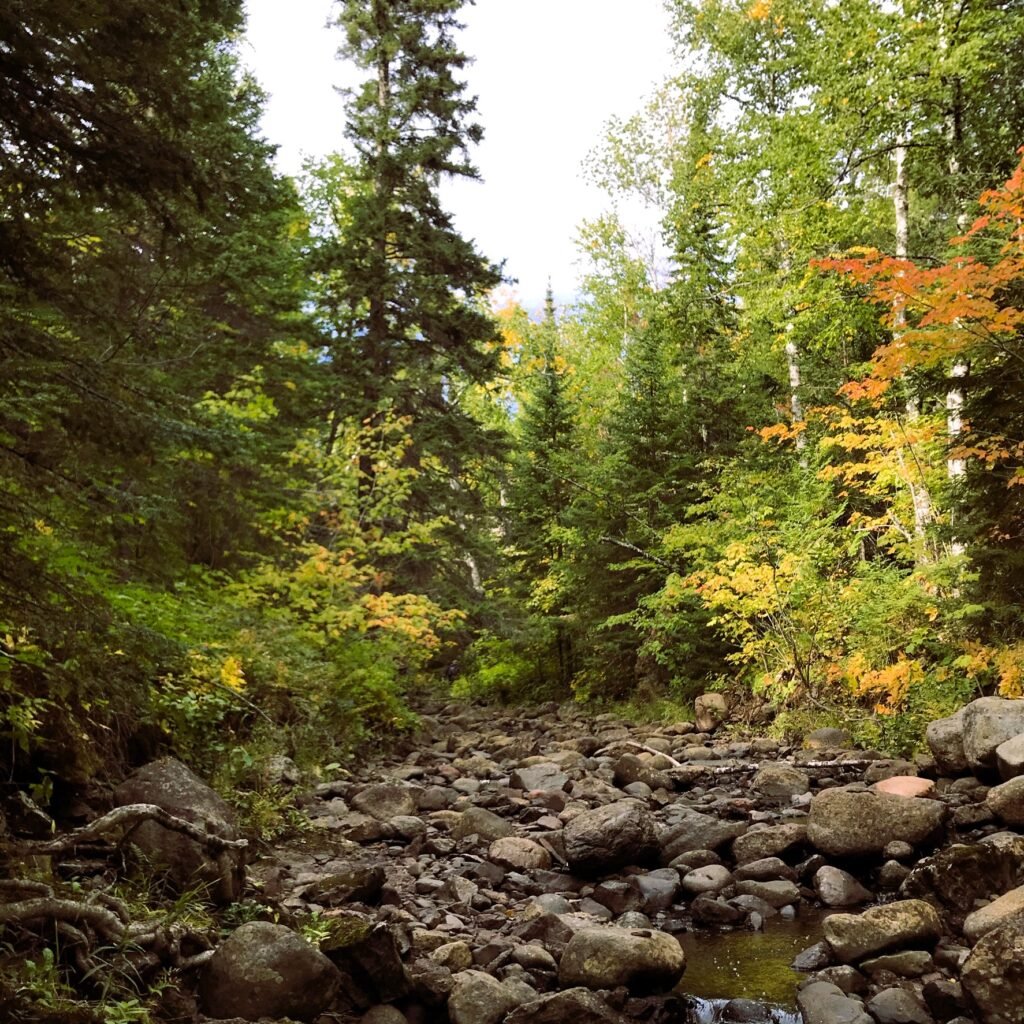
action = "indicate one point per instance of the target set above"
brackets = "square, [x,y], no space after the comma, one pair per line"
[519,854]
[575,1005]
[712,912]
[814,958]
[821,1002]
[987,723]
[837,888]
[846,822]
[483,823]
[897,1006]
[644,961]
[170,785]
[266,970]
[692,830]
[993,975]
[780,781]
[610,837]
[709,711]
[745,1011]
[998,912]
[384,800]
[892,926]
[773,841]
[477,998]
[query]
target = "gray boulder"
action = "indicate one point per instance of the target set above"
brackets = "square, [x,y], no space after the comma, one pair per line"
[644,961]
[630,769]
[539,777]
[993,975]
[989,722]
[897,1006]
[899,925]
[995,914]
[477,998]
[610,837]
[384,801]
[266,970]
[837,888]
[483,823]
[692,830]
[773,841]
[845,823]
[709,711]
[945,738]
[1006,802]
[821,1002]
[1010,757]
[174,787]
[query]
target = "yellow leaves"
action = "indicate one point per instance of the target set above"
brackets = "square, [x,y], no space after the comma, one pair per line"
[231,674]
[759,10]
[782,432]
[891,683]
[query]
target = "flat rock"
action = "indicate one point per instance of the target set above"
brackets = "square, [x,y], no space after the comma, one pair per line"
[998,912]
[905,785]
[477,998]
[483,823]
[773,841]
[384,800]
[519,854]
[573,1006]
[539,777]
[780,781]
[692,830]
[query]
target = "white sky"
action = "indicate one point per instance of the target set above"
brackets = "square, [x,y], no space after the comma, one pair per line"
[547,73]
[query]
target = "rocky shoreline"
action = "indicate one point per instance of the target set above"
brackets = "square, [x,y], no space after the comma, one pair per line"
[533,867]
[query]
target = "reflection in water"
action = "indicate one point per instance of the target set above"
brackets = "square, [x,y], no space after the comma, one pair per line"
[713,1011]
[748,965]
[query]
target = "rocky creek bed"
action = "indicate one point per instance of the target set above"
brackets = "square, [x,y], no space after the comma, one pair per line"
[533,867]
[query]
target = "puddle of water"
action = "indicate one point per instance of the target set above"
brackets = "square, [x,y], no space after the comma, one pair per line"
[748,965]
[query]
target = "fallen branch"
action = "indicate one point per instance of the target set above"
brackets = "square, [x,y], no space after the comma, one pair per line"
[126,818]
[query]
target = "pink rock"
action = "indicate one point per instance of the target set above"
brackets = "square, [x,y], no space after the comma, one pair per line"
[905,785]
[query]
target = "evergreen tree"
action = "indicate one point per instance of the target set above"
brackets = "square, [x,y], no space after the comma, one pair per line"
[409,287]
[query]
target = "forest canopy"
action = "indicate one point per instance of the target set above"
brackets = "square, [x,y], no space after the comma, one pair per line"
[274,455]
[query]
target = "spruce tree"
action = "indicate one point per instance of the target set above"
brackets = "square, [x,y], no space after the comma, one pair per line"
[410,284]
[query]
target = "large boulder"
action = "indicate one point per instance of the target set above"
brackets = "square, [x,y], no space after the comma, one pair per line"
[266,970]
[773,841]
[987,723]
[629,769]
[519,854]
[184,862]
[539,777]
[837,888]
[709,711]
[690,830]
[384,801]
[945,738]
[956,878]
[644,961]
[846,823]
[1010,757]
[481,822]
[611,837]
[780,781]
[993,975]
[900,925]
[477,998]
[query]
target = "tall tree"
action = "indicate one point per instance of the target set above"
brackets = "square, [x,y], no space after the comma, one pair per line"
[410,285]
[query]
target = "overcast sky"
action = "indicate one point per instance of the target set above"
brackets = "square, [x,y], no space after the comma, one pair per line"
[547,73]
